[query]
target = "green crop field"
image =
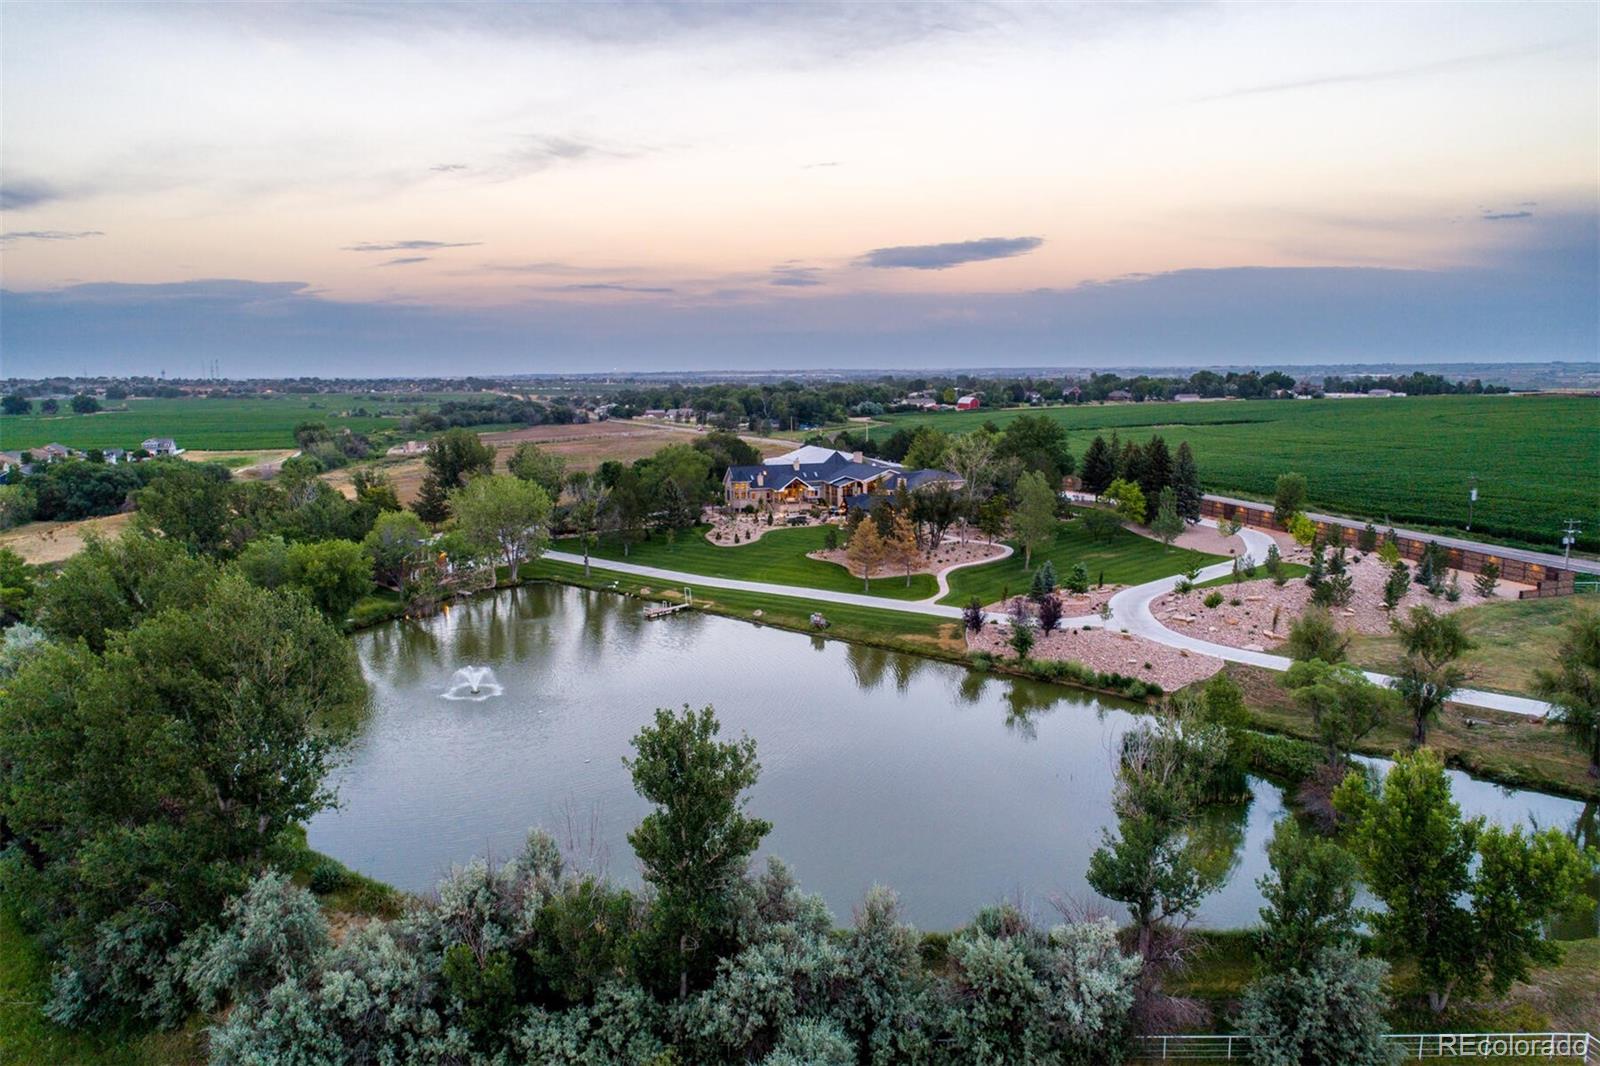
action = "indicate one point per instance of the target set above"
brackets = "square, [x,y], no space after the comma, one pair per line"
[1125,559]
[222,424]
[1537,458]
[779,558]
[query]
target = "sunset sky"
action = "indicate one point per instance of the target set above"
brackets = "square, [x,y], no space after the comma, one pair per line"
[436,189]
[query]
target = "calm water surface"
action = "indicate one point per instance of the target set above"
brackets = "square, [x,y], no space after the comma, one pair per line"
[956,788]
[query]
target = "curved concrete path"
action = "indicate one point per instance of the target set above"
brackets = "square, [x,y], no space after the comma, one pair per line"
[1130,610]
[943,576]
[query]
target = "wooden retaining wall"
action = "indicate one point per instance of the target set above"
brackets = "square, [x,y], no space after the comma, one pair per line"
[1547,580]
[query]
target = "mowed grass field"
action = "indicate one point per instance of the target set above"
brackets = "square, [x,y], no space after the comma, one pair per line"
[222,424]
[778,557]
[1537,458]
[1124,559]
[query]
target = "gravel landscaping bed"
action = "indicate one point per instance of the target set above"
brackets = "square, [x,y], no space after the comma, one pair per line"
[1108,651]
[1264,613]
[950,553]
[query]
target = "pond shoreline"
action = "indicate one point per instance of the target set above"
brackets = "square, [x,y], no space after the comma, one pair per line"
[1267,724]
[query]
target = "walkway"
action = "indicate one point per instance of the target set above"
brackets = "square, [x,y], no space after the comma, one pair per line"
[943,576]
[1130,610]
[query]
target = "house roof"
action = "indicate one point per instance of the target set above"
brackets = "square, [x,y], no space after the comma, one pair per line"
[817,454]
[838,468]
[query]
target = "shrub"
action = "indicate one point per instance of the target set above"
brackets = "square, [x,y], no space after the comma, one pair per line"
[1049,613]
[1315,636]
[1078,579]
[1021,639]
[1367,539]
[1213,599]
[1303,530]
[1330,1013]
[271,933]
[972,615]
[326,877]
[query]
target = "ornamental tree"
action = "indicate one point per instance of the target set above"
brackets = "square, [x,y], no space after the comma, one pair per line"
[504,516]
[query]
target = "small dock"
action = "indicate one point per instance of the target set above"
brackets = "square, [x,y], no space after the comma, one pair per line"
[661,610]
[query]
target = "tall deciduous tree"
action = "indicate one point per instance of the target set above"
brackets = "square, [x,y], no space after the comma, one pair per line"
[545,469]
[1468,904]
[1573,687]
[1344,706]
[1035,516]
[1040,444]
[971,458]
[1289,496]
[694,847]
[504,516]
[901,545]
[1309,895]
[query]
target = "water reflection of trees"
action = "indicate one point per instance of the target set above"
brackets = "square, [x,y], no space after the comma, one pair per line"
[867,665]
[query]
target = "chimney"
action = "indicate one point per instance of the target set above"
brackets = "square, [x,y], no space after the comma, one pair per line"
[858,457]
[761,478]
[797,466]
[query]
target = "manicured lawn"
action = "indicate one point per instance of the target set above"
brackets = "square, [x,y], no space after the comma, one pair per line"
[1408,459]
[1123,559]
[27,1037]
[886,628]
[778,557]
[1511,639]
[1291,571]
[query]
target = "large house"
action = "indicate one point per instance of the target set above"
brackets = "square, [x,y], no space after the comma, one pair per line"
[824,477]
[160,446]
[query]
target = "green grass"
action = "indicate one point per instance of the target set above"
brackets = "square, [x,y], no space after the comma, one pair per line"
[778,557]
[1408,459]
[1124,559]
[1511,639]
[222,424]
[27,1037]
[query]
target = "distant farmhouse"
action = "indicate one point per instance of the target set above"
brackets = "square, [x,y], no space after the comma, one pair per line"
[816,476]
[160,446]
[968,402]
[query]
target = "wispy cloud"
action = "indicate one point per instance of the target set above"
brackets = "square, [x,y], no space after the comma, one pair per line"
[49,235]
[405,261]
[612,286]
[796,276]
[814,166]
[1442,66]
[447,167]
[944,256]
[408,246]
[1525,210]
[17,195]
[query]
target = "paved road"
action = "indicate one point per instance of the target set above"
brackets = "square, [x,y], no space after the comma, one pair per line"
[1130,610]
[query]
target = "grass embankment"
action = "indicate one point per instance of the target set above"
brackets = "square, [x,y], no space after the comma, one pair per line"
[1350,450]
[1511,639]
[1510,749]
[1291,572]
[778,557]
[1125,558]
[1559,999]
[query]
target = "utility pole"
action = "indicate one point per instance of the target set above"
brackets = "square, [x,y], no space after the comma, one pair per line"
[1472,496]
[1569,536]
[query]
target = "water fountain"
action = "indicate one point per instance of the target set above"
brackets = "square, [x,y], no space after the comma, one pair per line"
[476,683]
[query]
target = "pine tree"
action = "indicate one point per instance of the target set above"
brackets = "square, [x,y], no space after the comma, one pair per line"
[1488,578]
[1319,567]
[433,501]
[1367,539]
[1186,482]
[1394,589]
[1157,472]
[1131,465]
[1099,466]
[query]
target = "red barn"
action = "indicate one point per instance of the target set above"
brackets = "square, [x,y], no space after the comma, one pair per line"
[967,403]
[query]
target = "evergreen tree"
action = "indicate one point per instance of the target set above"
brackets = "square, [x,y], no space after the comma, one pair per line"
[432,504]
[1367,539]
[1157,472]
[1131,465]
[1274,565]
[1394,589]
[1319,567]
[1044,582]
[1488,579]
[1099,466]
[1167,523]
[1186,482]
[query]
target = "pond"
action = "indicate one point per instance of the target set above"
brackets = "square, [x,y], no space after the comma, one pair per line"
[956,788]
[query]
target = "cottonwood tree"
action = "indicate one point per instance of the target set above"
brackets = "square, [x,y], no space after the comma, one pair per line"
[1309,895]
[504,516]
[1344,706]
[1467,903]
[1573,687]
[694,847]
[1428,674]
[589,494]
[1289,496]
[1035,516]
[971,458]
[545,469]
[396,544]
[154,780]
